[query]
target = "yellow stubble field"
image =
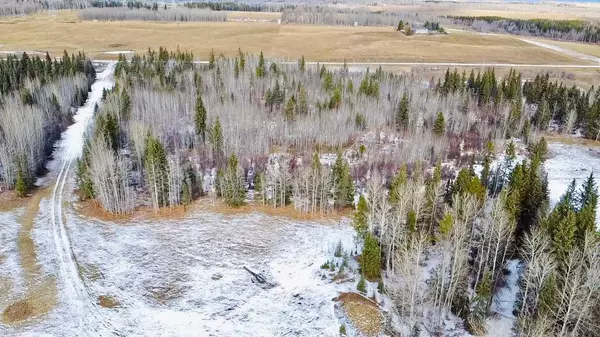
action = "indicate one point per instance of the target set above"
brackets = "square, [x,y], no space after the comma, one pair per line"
[63,30]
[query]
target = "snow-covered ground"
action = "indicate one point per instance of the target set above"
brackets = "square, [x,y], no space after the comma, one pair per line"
[186,278]
[118,52]
[567,162]
[11,276]
[502,322]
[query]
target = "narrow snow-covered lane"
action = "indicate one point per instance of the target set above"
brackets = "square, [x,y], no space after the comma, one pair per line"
[72,288]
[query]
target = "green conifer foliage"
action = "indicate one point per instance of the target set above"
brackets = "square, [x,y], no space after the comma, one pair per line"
[439,127]
[200,119]
[370,260]
[156,170]
[402,116]
[260,69]
[344,187]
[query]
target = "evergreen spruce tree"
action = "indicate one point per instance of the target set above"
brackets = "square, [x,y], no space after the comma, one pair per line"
[302,64]
[302,107]
[411,221]
[361,224]
[526,130]
[211,59]
[290,110]
[445,226]
[242,59]
[216,139]
[233,185]
[564,236]
[344,187]
[236,69]
[587,202]
[439,127]
[370,260]
[107,127]
[543,116]
[84,180]
[468,183]
[540,150]
[480,305]
[402,117]
[511,153]
[200,119]
[260,69]
[533,195]
[361,286]
[399,181]
[400,26]
[21,184]
[336,98]
[485,173]
[156,170]
[125,105]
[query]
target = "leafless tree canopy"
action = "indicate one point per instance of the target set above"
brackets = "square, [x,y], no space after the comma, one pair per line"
[144,14]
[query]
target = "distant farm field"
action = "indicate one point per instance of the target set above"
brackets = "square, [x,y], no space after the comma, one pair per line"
[56,31]
[584,48]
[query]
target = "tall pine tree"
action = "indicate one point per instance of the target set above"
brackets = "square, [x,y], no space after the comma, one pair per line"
[200,119]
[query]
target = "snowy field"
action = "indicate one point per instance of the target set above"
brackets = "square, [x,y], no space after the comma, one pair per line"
[186,277]
[568,162]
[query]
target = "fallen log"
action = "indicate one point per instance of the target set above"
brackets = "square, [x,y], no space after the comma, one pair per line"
[259,278]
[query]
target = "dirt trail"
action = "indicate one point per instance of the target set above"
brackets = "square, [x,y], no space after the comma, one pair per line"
[74,291]
[40,295]
[565,51]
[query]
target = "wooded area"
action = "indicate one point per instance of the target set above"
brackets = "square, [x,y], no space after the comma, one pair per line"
[178,130]
[568,30]
[37,97]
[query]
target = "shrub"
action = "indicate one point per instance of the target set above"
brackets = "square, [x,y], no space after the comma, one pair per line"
[338,250]
[362,285]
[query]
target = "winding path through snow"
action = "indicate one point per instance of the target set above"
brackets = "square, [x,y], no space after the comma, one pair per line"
[68,149]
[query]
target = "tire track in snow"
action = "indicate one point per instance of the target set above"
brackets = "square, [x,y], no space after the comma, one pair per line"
[80,302]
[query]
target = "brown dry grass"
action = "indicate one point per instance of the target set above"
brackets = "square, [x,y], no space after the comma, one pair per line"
[39,300]
[53,33]
[9,201]
[92,209]
[363,313]
[584,48]
[285,212]
[41,290]
[108,302]
[566,139]
[26,247]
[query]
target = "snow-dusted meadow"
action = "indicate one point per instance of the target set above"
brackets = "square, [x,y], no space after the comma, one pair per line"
[186,278]
[567,162]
